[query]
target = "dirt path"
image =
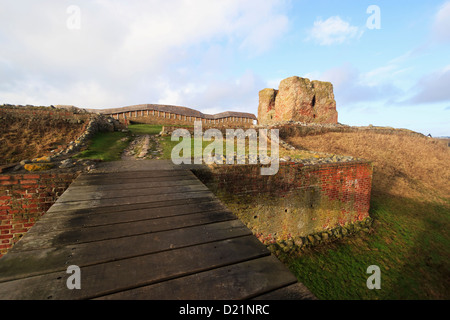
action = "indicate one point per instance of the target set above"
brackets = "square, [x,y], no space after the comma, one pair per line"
[143,147]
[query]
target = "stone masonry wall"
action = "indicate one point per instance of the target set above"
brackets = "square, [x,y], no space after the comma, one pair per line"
[298,99]
[46,112]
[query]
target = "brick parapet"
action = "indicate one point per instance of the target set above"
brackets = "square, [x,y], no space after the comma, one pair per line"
[300,200]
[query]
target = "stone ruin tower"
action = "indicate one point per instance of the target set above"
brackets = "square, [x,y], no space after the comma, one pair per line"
[298,99]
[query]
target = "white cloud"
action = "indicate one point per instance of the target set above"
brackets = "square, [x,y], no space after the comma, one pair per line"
[262,25]
[433,87]
[334,30]
[238,94]
[39,92]
[131,52]
[352,86]
[441,25]
[377,75]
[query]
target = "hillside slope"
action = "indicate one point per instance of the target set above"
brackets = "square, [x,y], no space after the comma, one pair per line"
[404,165]
[410,205]
[27,133]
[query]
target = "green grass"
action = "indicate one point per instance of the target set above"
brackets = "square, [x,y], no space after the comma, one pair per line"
[167,146]
[105,146]
[410,243]
[108,146]
[141,129]
[166,143]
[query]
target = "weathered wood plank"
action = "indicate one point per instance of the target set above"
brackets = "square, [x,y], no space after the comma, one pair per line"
[135,166]
[76,220]
[136,179]
[139,184]
[142,230]
[119,176]
[108,278]
[83,195]
[39,240]
[29,263]
[239,281]
[54,212]
[75,205]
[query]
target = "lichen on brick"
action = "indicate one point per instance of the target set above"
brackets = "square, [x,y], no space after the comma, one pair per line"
[45,159]
[38,166]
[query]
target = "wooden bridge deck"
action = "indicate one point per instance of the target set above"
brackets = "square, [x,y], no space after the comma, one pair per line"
[144,230]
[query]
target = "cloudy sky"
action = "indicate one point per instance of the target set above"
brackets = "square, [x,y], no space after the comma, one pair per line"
[389,61]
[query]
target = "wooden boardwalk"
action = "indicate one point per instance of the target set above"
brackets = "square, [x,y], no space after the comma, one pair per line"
[143,230]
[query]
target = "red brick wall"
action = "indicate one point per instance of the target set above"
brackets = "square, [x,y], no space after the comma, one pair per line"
[318,197]
[23,199]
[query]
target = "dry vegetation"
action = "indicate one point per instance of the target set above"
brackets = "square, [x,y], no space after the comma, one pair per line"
[30,137]
[404,165]
[410,205]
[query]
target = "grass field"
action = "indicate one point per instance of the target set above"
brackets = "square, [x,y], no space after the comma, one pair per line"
[208,147]
[139,129]
[166,143]
[108,146]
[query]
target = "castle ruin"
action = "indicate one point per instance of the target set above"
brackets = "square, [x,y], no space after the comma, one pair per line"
[298,99]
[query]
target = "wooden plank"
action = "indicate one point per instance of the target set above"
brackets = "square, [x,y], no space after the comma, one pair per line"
[108,278]
[29,263]
[239,281]
[140,184]
[76,220]
[75,205]
[133,175]
[141,234]
[39,240]
[133,166]
[140,171]
[84,195]
[56,212]
[136,179]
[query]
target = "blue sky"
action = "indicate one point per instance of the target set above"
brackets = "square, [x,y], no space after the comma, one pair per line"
[217,55]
